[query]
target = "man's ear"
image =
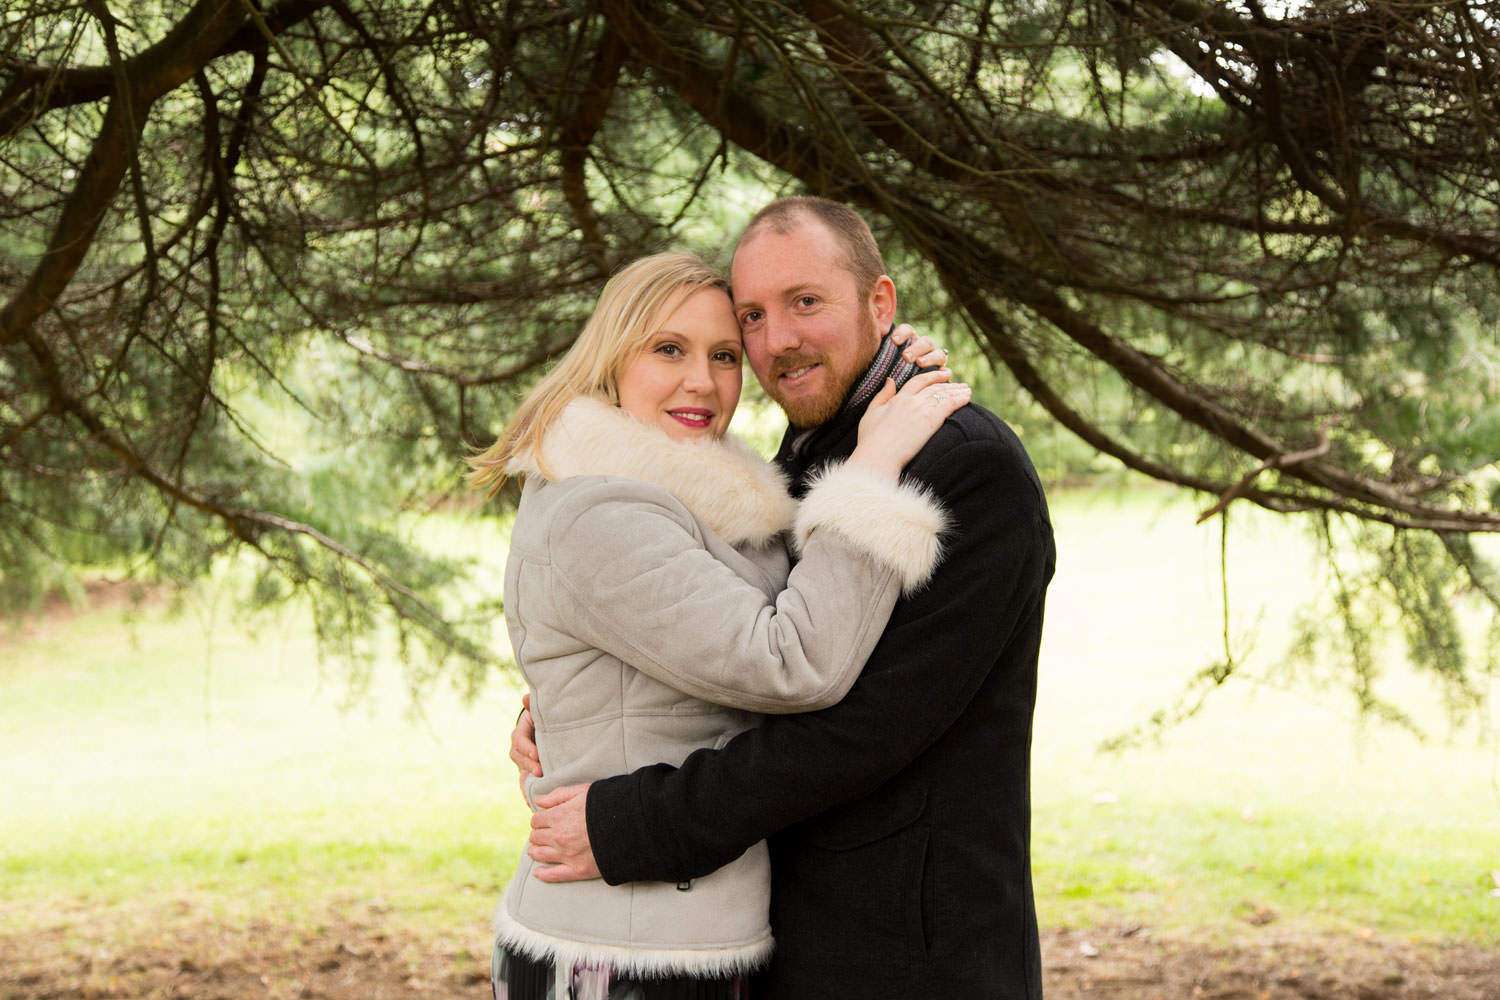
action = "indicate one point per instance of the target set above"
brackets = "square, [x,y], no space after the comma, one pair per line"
[883,303]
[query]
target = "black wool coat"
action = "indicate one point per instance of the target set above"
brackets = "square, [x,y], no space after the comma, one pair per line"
[899,819]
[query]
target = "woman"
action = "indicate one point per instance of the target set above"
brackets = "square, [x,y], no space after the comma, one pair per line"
[652,608]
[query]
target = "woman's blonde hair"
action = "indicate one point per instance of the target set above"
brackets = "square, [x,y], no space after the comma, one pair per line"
[629,311]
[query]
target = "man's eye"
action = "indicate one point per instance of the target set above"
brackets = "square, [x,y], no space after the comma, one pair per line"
[807,301]
[751,316]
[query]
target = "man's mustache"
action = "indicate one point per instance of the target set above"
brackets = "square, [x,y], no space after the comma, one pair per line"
[788,363]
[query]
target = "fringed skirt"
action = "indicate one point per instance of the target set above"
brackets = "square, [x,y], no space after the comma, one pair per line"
[515,977]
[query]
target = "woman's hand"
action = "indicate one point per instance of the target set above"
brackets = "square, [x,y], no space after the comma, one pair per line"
[921,351]
[523,745]
[898,424]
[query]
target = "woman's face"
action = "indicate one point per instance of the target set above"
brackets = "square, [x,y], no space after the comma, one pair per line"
[687,378]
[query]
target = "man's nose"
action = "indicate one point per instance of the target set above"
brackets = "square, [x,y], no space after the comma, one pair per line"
[781,335]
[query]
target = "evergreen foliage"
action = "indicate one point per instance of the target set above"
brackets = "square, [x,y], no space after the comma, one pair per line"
[272,267]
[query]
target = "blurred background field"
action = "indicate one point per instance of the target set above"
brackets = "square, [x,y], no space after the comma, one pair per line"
[177,755]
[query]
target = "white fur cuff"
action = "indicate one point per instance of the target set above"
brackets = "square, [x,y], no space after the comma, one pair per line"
[897,524]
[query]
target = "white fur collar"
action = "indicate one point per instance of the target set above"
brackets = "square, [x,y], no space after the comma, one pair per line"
[739,495]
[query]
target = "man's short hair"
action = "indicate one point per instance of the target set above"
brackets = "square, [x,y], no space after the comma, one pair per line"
[861,255]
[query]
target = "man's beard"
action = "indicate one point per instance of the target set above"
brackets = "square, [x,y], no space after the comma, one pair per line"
[815,411]
[811,411]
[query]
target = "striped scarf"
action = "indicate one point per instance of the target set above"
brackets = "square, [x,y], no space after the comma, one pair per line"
[888,363]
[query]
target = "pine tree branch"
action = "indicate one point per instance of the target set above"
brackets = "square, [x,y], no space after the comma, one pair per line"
[185,49]
[151,70]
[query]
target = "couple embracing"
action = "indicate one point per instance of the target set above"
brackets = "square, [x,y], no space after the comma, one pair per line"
[792,697]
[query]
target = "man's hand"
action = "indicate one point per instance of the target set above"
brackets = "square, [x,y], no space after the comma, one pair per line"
[523,745]
[560,836]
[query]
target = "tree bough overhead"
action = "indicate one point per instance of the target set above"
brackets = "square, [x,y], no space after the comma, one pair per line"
[1248,248]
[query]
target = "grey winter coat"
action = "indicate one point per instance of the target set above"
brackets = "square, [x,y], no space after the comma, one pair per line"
[653,608]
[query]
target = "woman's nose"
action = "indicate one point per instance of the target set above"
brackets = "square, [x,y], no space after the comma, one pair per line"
[697,377]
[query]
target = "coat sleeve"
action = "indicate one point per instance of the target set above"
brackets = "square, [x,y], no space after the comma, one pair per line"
[665,823]
[631,576]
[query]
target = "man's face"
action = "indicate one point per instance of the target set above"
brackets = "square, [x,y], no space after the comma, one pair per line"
[808,332]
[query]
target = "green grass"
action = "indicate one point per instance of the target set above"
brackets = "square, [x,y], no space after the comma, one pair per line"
[143,759]
[1276,796]
[181,759]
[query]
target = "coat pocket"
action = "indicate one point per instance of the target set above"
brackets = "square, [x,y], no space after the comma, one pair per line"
[864,821]
[850,896]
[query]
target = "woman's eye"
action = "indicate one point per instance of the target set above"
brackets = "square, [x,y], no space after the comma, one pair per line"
[728,357]
[670,350]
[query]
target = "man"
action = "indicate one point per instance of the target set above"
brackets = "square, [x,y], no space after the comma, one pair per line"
[898,819]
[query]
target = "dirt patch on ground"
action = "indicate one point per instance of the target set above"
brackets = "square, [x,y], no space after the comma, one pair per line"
[1102,963]
[57,610]
[338,959]
[346,958]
